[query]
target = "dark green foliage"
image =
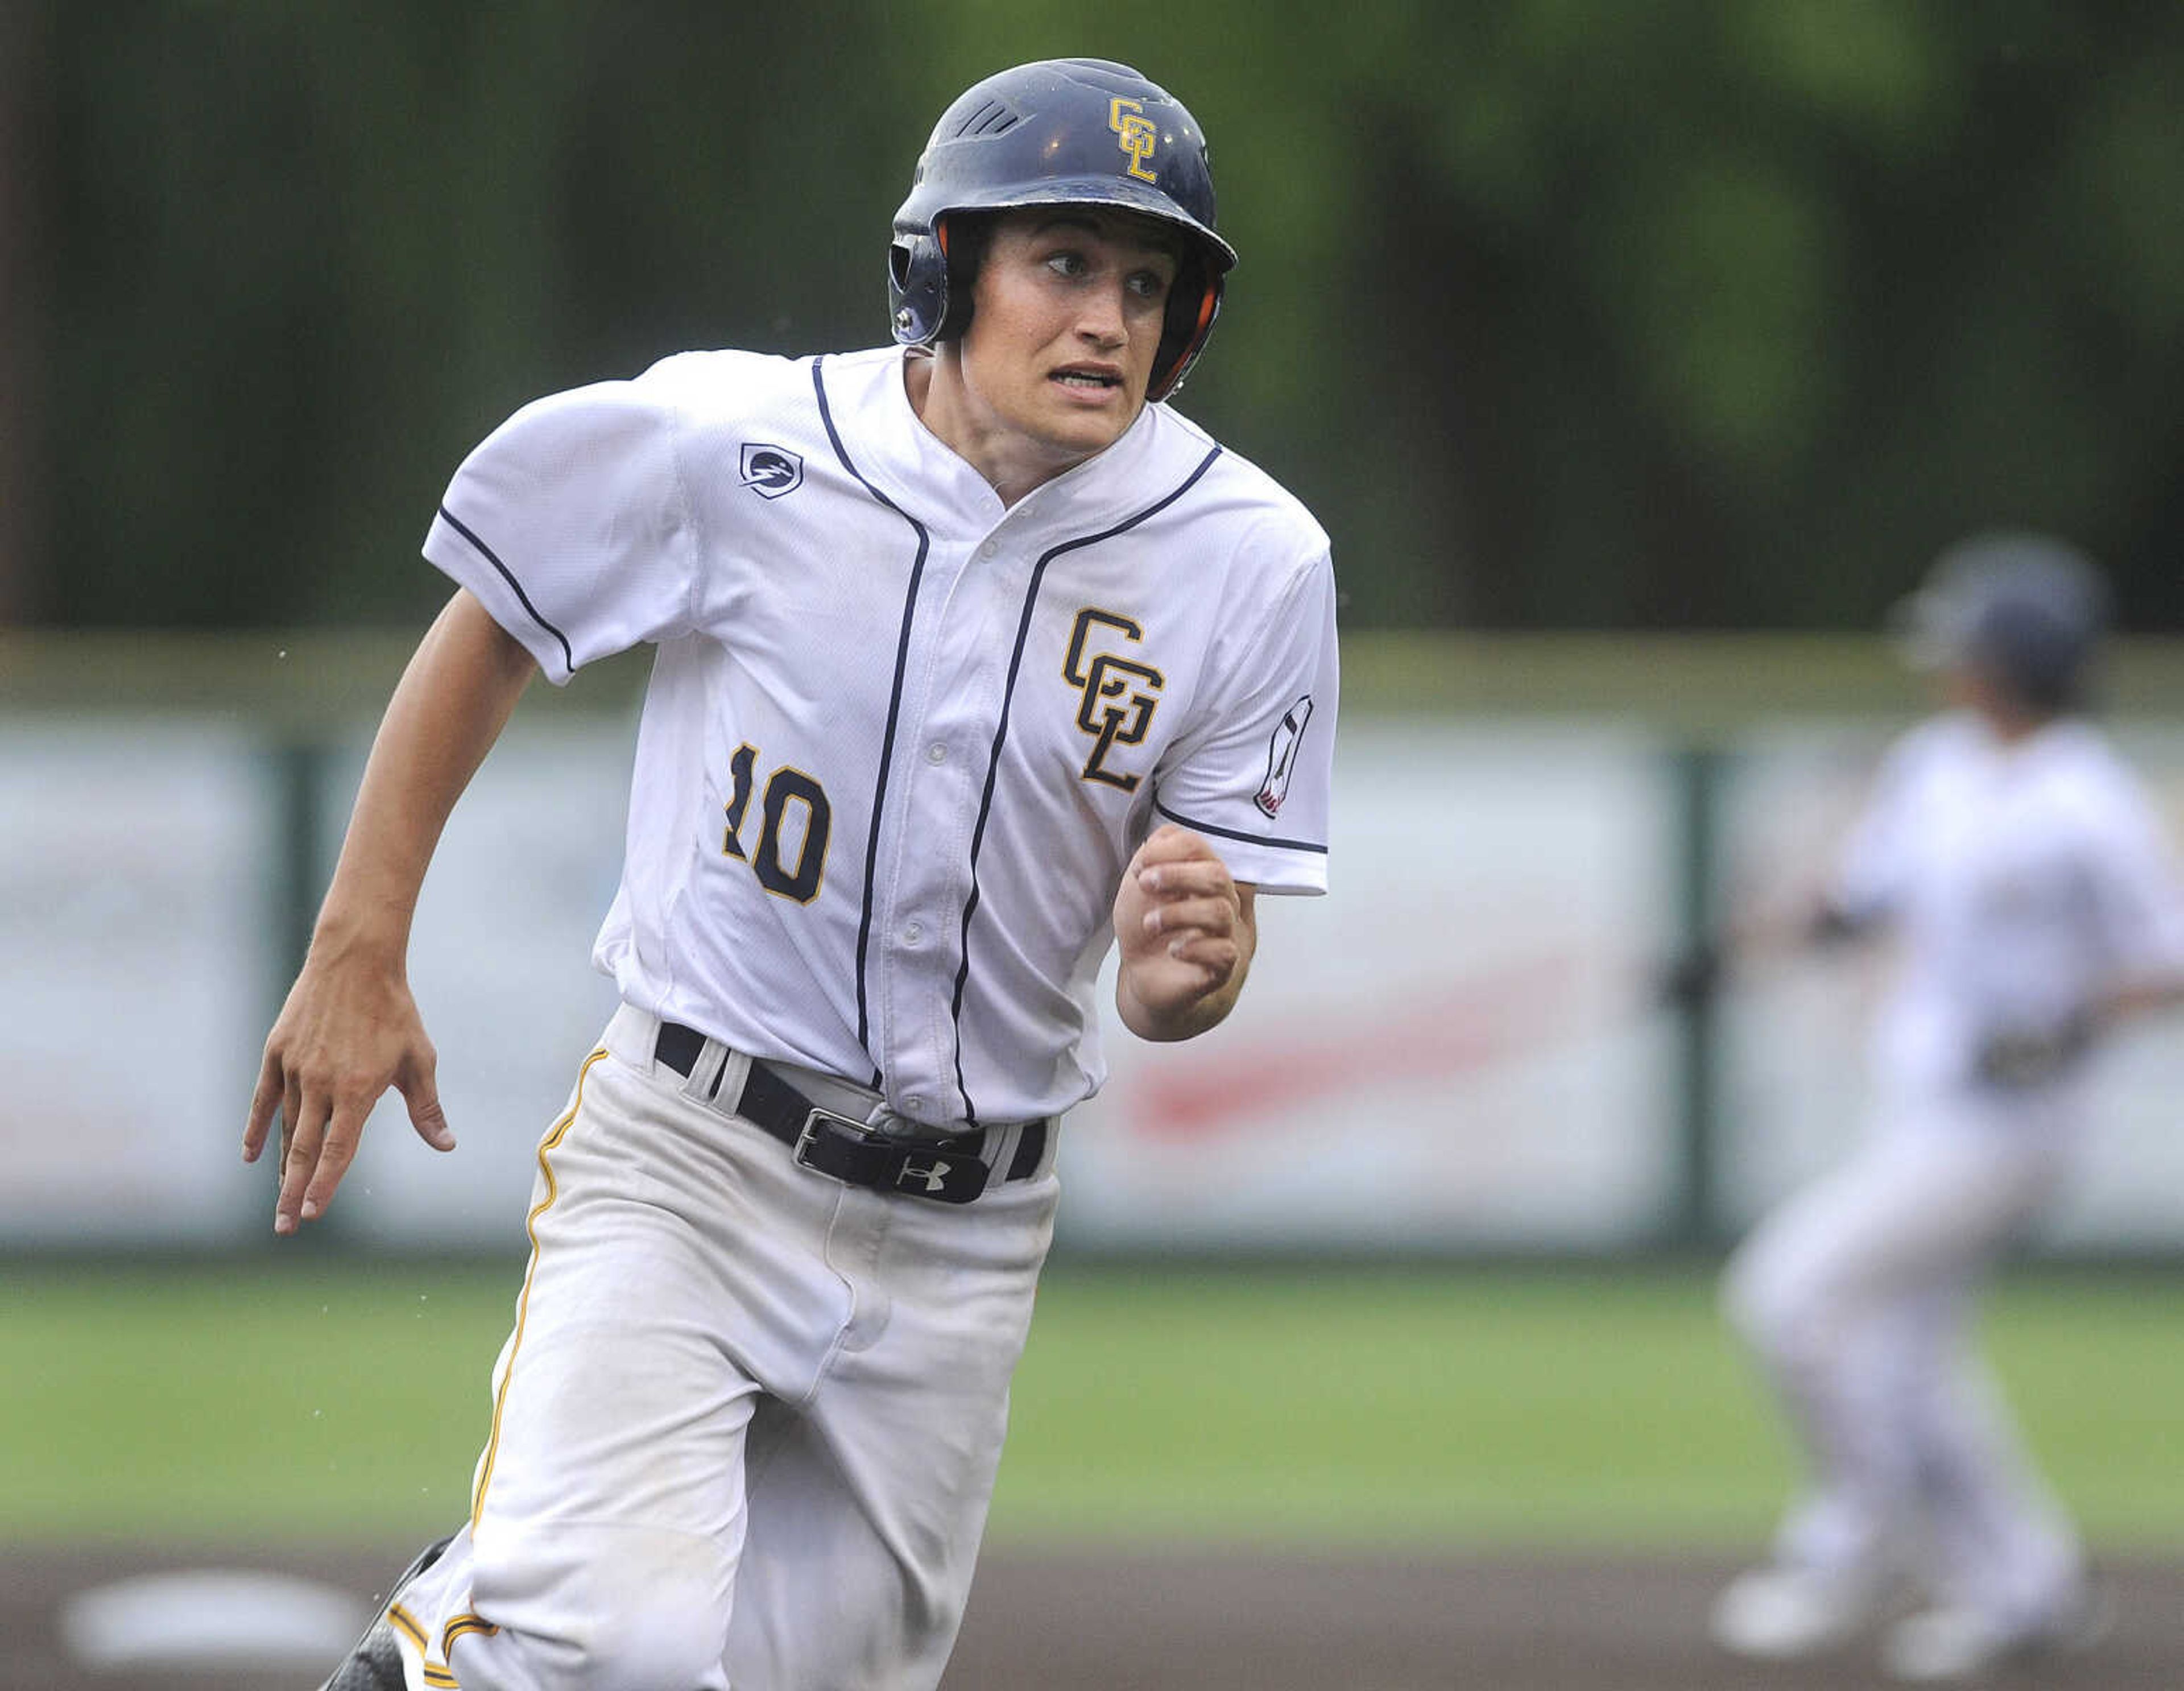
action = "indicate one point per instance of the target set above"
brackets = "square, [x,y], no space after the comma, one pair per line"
[1558,312]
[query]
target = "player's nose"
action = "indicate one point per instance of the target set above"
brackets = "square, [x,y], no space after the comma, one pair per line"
[1100,317]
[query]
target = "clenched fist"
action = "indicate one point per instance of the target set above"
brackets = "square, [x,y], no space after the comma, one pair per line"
[1186,931]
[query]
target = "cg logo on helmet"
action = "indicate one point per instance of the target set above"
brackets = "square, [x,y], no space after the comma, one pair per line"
[1135,133]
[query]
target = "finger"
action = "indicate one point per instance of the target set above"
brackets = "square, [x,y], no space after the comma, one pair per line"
[421,1093]
[1191,866]
[1170,843]
[1201,946]
[1204,915]
[336,1154]
[302,1161]
[1192,878]
[292,1112]
[1213,957]
[264,1102]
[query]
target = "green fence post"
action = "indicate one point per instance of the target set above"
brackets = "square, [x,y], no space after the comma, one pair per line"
[1698,1222]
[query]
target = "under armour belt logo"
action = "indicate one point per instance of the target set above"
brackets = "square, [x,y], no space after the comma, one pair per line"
[933,1176]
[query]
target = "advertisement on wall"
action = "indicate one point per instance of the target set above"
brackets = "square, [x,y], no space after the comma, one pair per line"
[1454,1049]
[1460,1049]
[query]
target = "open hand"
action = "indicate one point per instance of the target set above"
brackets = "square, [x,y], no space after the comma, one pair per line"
[346,1034]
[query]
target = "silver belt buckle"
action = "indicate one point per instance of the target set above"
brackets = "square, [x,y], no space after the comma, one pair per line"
[801,1155]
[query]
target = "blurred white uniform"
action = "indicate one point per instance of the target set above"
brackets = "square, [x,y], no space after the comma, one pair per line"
[2023,880]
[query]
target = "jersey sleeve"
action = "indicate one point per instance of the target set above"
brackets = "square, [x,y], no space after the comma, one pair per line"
[1870,868]
[1254,776]
[2137,896]
[569,522]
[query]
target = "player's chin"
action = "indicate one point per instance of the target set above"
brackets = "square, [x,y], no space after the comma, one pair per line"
[1088,426]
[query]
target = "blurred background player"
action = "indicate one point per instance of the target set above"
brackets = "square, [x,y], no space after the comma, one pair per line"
[2019,865]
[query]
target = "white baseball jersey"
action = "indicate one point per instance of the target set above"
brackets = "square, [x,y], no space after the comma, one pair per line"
[901,742]
[2023,879]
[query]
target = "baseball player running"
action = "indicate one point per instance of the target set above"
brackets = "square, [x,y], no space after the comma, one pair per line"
[2022,864]
[972,657]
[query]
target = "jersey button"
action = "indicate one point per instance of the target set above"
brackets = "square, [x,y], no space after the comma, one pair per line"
[914,1106]
[990,549]
[913,933]
[936,754]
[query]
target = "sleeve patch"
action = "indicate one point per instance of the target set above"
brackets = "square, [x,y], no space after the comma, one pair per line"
[1281,757]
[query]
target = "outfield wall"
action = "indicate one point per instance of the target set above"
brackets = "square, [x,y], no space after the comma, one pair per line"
[1457,1051]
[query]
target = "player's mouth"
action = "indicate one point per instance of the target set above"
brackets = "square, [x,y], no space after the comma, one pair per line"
[1093,380]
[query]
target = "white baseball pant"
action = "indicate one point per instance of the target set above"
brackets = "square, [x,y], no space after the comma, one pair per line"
[746,1425]
[1858,1297]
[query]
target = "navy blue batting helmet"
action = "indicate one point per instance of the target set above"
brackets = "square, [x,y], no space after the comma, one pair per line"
[1062,131]
[2027,609]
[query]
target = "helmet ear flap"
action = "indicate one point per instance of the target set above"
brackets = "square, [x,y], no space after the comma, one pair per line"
[918,277]
[933,276]
[963,238]
[1193,304]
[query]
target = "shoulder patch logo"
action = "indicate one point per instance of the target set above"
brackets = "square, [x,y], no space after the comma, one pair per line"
[770,471]
[1281,757]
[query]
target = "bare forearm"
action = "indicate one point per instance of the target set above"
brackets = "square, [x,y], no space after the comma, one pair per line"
[450,706]
[350,1028]
[2144,995]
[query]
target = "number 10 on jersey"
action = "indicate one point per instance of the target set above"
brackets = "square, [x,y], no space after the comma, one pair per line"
[794,806]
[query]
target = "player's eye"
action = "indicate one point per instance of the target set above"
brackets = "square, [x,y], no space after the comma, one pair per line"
[1149,284]
[1067,262]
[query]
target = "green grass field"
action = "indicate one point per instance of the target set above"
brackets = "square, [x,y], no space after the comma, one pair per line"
[1592,1407]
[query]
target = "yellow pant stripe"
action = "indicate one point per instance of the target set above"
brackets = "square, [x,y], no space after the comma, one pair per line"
[551,1143]
[405,1623]
[460,1625]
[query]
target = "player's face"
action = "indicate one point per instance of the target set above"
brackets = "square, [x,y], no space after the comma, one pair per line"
[1066,318]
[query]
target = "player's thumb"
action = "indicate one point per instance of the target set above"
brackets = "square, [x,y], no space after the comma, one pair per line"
[425,1114]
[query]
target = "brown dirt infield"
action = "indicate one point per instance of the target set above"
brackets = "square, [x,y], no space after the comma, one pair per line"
[1199,1620]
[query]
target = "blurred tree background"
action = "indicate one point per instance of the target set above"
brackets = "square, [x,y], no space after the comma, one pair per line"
[1559,313]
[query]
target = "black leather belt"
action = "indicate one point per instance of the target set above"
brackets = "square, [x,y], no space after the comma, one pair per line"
[945,1170]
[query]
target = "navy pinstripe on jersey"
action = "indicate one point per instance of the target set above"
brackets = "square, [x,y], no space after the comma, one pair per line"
[1001,735]
[568,658]
[895,706]
[1196,826]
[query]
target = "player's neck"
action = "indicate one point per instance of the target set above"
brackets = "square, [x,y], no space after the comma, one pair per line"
[1013,463]
[2011,727]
